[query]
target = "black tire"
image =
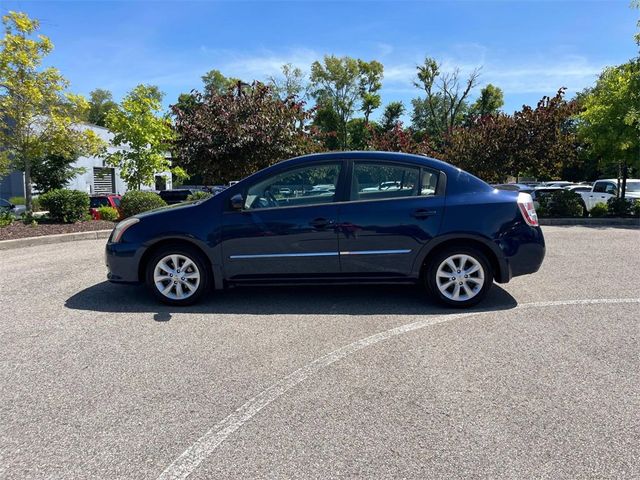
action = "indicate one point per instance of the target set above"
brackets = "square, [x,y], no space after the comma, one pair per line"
[186,251]
[433,264]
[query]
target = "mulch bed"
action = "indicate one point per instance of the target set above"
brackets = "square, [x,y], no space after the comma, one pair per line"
[19,230]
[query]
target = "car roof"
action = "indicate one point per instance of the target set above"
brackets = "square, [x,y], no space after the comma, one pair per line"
[373,155]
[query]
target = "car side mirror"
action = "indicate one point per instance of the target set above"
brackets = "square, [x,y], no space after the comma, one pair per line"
[237,201]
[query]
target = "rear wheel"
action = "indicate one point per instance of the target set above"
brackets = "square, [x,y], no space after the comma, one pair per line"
[458,276]
[177,275]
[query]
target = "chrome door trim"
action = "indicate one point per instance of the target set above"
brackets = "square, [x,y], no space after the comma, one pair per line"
[319,254]
[376,252]
[285,255]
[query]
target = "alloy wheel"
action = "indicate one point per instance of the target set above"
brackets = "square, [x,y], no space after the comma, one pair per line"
[460,277]
[176,277]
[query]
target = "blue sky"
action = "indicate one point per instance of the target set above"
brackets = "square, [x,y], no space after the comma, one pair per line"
[529,49]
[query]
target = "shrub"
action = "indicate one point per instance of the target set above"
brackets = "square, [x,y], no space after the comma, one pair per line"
[6,219]
[135,201]
[66,206]
[636,208]
[17,200]
[198,196]
[108,213]
[599,210]
[620,207]
[562,203]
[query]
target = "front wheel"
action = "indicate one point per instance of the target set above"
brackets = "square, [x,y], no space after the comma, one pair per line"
[459,276]
[177,275]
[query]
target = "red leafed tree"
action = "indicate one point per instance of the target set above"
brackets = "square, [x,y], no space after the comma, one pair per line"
[397,139]
[227,136]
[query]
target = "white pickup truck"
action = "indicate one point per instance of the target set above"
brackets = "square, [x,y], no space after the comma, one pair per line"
[603,190]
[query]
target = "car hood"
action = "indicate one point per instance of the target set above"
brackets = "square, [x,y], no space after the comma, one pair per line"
[169,208]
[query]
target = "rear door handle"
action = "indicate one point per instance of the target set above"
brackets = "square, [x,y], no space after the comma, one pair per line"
[320,223]
[422,213]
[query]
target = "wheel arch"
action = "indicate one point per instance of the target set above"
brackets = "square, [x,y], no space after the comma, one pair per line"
[164,242]
[489,249]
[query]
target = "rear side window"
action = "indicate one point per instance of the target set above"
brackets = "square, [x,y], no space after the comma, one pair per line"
[599,187]
[379,181]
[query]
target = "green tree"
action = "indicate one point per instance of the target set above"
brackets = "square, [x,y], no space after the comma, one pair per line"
[371,74]
[38,115]
[489,102]
[335,85]
[610,120]
[291,84]
[100,103]
[391,115]
[54,172]
[445,102]
[143,135]
[216,83]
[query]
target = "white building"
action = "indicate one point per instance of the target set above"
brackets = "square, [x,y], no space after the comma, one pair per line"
[97,178]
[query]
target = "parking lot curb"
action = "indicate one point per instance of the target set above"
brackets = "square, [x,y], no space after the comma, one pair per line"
[51,239]
[593,222]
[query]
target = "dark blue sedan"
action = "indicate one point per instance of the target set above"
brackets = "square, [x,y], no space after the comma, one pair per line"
[343,217]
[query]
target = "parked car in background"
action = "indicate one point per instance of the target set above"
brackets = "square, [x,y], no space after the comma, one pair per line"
[578,188]
[108,200]
[7,207]
[540,192]
[516,187]
[451,232]
[177,196]
[559,183]
[603,190]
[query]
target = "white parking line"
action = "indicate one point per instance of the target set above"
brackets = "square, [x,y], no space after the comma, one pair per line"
[186,463]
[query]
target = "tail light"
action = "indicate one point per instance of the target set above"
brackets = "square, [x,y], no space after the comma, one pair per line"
[528,210]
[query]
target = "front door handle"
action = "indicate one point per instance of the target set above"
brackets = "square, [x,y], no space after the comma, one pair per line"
[320,223]
[422,213]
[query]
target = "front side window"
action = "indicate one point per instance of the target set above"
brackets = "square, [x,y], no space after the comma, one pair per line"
[379,181]
[303,186]
[611,189]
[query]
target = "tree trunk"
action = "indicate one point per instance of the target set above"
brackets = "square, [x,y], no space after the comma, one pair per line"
[27,187]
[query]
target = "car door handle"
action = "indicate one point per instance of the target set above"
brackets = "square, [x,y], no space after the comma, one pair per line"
[422,213]
[320,223]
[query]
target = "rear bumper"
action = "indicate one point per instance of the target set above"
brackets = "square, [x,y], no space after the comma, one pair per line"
[524,252]
[122,261]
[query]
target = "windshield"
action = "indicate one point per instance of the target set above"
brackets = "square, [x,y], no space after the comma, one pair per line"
[633,186]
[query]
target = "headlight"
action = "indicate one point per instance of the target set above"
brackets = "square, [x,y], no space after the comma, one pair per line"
[121,227]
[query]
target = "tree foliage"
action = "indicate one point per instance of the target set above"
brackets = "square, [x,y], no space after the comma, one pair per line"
[38,114]
[344,85]
[54,172]
[143,135]
[231,135]
[371,74]
[291,84]
[539,141]
[100,103]
[489,102]
[391,115]
[444,104]
[610,120]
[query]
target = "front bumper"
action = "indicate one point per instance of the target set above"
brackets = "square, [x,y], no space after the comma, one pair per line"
[122,262]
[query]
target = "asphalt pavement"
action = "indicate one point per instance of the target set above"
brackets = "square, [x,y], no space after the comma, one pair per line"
[540,381]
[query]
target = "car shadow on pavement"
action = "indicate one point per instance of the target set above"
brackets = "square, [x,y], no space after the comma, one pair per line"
[312,300]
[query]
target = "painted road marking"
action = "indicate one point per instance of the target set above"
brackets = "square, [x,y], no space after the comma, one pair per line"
[186,463]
